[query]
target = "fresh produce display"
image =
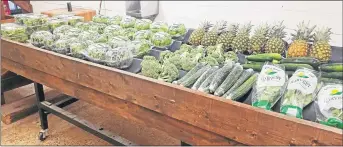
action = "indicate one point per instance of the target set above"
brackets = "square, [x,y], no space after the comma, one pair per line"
[72,32]
[128,22]
[120,57]
[19,18]
[302,60]
[300,47]
[245,75]
[257,61]
[143,24]
[243,89]
[96,52]
[159,26]
[34,19]
[220,76]
[142,35]
[101,19]
[216,52]
[140,48]
[336,75]
[177,30]
[189,74]
[321,48]
[73,20]
[113,30]
[97,27]
[88,35]
[301,90]
[54,23]
[229,80]
[169,72]
[228,35]
[295,66]
[161,39]
[151,67]
[198,34]
[254,66]
[61,46]
[241,42]
[77,48]
[205,86]
[275,43]
[270,86]
[42,38]
[62,29]
[331,80]
[259,38]
[204,76]
[332,67]
[210,37]
[128,32]
[83,25]
[14,32]
[115,20]
[118,41]
[192,79]
[329,109]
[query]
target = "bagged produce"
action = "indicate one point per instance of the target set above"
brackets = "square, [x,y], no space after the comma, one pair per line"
[115,20]
[177,30]
[328,105]
[62,29]
[73,20]
[161,39]
[73,32]
[101,19]
[142,35]
[245,76]
[120,57]
[42,38]
[83,26]
[140,48]
[113,30]
[159,26]
[31,29]
[14,32]
[270,86]
[19,18]
[34,19]
[54,23]
[220,76]
[77,48]
[88,35]
[96,52]
[118,41]
[143,24]
[61,46]
[229,80]
[98,27]
[203,77]
[301,90]
[128,32]
[128,22]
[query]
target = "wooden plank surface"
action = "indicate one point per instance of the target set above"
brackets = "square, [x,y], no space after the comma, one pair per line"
[130,111]
[86,13]
[240,122]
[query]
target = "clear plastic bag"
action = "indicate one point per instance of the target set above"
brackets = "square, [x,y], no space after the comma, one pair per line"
[159,26]
[301,90]
[270,86]
[77,48]
[63,16]
[98,27]
[73,32]
[128,22]
[61,46]
[14,32]
[161,40]
[88,35]
[140,48]
[120,57]
[19,18]
[101,19]
[113,30]
[143,24]
[83,26]
[55,23]
[34,20]
[142,35]
[41,38]
[128,32]
[177,30]
[73,20]
[62,29]
[118,41]
[96,52]
[328,105]
[115,20]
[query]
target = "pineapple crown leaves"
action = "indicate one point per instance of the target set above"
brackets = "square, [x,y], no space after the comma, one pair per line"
[262,30]
[278,30]
[206,25]
[322,34]
[304,32]
[245,29]
[232,28]
[219,27]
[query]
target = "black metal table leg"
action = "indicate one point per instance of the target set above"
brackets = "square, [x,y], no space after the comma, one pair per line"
[42,114]
[2,98]
[185,144]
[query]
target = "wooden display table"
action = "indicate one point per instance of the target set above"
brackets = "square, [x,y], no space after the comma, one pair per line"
[86,13]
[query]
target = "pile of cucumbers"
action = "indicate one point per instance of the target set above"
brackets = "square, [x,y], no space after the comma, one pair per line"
[330,72]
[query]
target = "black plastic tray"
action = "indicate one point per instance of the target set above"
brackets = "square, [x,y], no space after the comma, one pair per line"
[173,47]
[135,67]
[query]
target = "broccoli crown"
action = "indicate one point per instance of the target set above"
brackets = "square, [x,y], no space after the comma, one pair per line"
[165,55]
[169,72]
[230,55]
[209,60]
[151,67]
[190,60]
[185,48]
[216,52]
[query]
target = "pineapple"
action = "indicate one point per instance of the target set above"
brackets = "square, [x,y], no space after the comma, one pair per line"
[227,37]
[210,38]
[300,46]
[321,47]
[241,42]
[259,38]
[198,34]
[275,43]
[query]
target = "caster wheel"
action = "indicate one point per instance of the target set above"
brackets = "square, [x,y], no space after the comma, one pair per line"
[41,136]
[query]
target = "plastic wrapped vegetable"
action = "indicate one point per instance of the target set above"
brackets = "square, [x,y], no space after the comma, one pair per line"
[118,41]
[169,72]
[73,32]
[72,20]
[128,22]
[19,18]
[41,38]
[35,20]
[329,110]
[88,35]
[77,48]
[14,32]
[189,61]
[63,16]
[209,60]
[177,30]
[113,30]
[230,55]
[301,90]
[61,46]
[120,57]
[115,20]
[98,27]
[96,52]
[270,86]
[161,39]
[54,23]
[101,19]
[140,48]
[142,35]
[62,29]
[82,26]
[159,26]
[142,24]
[128,32]
[216,52]
[151,67]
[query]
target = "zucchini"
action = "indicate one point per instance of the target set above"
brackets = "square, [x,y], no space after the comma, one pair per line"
[203,77]
[245,75]
[302,60]
[332,67]
[243,89]
[190,73]
[255,66]
[259,58]
[229,80]
[331,80]
[334,75]
[255,62]
[294,66]
[192,79]
[205,86]
[220,76]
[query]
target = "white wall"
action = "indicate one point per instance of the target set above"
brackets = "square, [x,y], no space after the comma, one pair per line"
[320,13]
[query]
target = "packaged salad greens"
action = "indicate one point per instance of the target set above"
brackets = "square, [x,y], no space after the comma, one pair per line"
[14,32]
[101,19]
[73,20]
[96,52]
[161,39]
[159,26]
[270,86]
[34,19]
[142,24]
[99,27]
[142,35]
[328,105]
[42,38]
[301,90]
[177,30]
[77,48]
[120,57]
[113,30]
[115,20]
[83,26]
[54,23]
[128,22]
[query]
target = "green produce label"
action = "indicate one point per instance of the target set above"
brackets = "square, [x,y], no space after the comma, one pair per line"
[264,104]
[304,81]
[334,122]
[292,111]
[330,100]
[271,76]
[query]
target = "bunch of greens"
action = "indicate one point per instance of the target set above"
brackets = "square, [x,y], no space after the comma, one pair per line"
[169,72]
[177,30]
[128,32]
[159,26]
[142,35]
[41,38]
[115,20]
[161,39]
[77,48]
[143,24]
[101,19]
[14,32]
[120,57]
[151,67]
[83,26]
[34,19]
[113,30]
[96,52]
[98,27]
[140,48]
[118,41]
[217,52]
[54,23]
[128,22]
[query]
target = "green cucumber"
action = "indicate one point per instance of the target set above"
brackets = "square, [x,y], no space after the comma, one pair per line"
[302,60]
[332,67]
[243,89]
[190,73]
[334,75]
[203,77]
[192,79]
[255,66]
[229,80]
[220,76]
[259,58]
[331,80]
[245,75]
[294,66]
[205,86]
